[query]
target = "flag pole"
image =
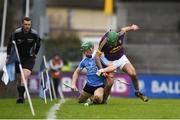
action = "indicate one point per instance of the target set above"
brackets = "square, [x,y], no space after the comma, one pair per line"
[47,75]
[3,24]
[44,90]
[27,8]
[53,89]
[24,81]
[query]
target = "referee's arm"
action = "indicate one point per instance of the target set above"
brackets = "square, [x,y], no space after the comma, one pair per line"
[37,45]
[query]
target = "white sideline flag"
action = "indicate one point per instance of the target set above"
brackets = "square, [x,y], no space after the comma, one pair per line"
[9,68]
[5,76]
[8,73]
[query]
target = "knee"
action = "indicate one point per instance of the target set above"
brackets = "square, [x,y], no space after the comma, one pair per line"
[97,99]
[132,73]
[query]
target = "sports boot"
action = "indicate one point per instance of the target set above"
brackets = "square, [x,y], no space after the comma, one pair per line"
[141,96]
[21,90]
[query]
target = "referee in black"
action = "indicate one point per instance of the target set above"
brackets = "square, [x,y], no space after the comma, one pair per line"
[28,45]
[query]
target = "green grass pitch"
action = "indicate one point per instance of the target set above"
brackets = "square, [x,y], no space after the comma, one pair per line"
[10,110]
[117,108]
[122,108]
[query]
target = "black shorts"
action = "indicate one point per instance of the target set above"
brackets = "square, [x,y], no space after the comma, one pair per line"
[90,89]
[27,63]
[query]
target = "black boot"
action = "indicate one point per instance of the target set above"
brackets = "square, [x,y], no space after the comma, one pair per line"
[21,90]
[141,96]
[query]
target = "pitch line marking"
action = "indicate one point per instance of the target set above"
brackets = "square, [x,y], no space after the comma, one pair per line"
[51,115]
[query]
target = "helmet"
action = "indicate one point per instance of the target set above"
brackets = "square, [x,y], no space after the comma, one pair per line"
[112,37]
[86,45]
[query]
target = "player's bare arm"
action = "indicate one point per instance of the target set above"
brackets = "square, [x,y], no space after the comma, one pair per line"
[74,79]
[128,28]
[98,61]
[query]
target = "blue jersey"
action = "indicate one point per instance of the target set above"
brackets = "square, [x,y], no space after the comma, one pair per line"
[90,65]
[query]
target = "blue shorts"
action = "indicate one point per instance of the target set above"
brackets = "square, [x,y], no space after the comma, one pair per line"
[90,89]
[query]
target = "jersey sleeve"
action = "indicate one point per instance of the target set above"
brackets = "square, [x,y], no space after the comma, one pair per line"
[82,65]
[102,43]
[104,60]
[37,44]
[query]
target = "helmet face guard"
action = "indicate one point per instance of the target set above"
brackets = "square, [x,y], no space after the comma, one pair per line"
[112,38]
[86,46]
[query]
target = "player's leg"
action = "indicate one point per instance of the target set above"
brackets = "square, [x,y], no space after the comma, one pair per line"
[86,93]
[108,66]
[108,86]
[27,65]
[130,70]
[84,96]
[20,87]
[98,95]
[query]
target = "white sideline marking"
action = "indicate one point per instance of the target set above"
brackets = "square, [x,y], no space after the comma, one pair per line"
[52,112]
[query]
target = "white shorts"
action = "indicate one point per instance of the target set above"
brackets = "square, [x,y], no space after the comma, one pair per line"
[118,63]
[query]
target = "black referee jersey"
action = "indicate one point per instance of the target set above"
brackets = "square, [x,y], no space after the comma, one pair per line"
[28,44]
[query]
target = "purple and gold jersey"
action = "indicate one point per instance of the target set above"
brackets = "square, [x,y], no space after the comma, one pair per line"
[112,52]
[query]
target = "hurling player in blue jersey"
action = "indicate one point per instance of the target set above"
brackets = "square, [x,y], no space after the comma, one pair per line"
[95,84]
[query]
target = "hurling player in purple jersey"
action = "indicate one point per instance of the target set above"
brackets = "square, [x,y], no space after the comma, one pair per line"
[111,46]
